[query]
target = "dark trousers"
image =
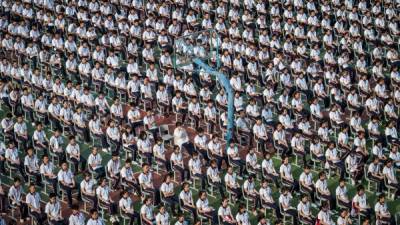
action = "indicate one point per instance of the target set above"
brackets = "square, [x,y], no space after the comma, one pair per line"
[155,193]
[212,215]
[112,206]
[183,172]
[53,182]
[192,210]
[58,222]
[39,217]
[236,191]
[133,216]
[203,179]
[240,163]
[76,162]
[171,201]
[93,199]
[293,213]
[273,206]
[219,186]
[189,147]
[69,190]
[23,210]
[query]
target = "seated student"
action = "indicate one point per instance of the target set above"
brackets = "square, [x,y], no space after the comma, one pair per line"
[213,177]
[382,213]
[324,215]
[268,169]
[196,169]
[126,207]
[46,170]
[181,138]
[344,217]
[159,153]
[321,188]
[286,175]
[74,153]
[144,145]
[33,202]
[56,145]
[225,213]
[355,167]
[146,212]
[216,151]
[94,218]
[113,134]
[285,204]
[304,210]
[360,204]
[94,162]
[168,194]
[21,131]
[280,141]
[306,181]
[162,217]
[53,210]
[88,190]
[186,200]
[31,164]
[298,145]
[113,169]
[267,201]
[234,157]
[13,159]
[333,159]
[104,197]
[127,176]
[249,190]
[242,217]
[251,161]
[178,164]
[205,209]
[146,183]
[200,143]
[15,199]
[66,182]
[388,172]
[39,137]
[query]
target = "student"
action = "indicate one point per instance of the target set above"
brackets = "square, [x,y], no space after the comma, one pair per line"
[146,212]
[285,199]
[67,183]
[204,208]
[360,204]
[33,201]
[15,197]
[104,197]
[225,213]
[53,210]
[146,183]
[186,200]
[94,218]
[87,188]
[126,207]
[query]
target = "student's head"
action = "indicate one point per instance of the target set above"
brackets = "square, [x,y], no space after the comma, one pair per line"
[145,167]
[381,198]
[186,186]
[202,195]
[32,188]
[147,200]
[17,181]
[342,182]
[321,175]
[52,197]
[242,208]
[360,190]
[94,214]
[64,166]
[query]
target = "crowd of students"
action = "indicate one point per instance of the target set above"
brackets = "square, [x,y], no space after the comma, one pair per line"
[316,85]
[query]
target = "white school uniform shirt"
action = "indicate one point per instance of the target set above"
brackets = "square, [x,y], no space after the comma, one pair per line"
[146,179]
[325,217]
[73,149]
[268,166]
[87,186]
[266,194]
[147,211]
[389,173]
[286,170]
[15,194]
[65,176]
[306,178]
[103,193]
[249,187]
[361,200]
[47,168]
[98,221]
[113,167]
[285,200]
[20,128]
[304,208]
[167,187]
[213,174]
[126,204]
[195,166]
[321,185]
[201,140]
[230,179]
[33,199]
[31,162]
[163,219]
[12,154]
[53,209]
[222,212]
[381,209]
[95,159]
[243,218]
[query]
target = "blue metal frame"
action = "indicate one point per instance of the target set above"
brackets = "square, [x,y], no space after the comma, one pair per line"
[228,88]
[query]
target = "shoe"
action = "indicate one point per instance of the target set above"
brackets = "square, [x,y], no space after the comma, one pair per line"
[21,221]
[104,150]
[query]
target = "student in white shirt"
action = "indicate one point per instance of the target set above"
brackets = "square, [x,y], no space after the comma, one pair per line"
[76,217]
[103,194]
[344,218]
[382,212]
[53,210]
[213,177]
[304,210]
[162,218]
[126,207]
[15,199]
[31,164]
[87,188]
[94,218]
[285,172]
[242,217]
[146,212]
[146,183]
[324,215]
[67,182]
[181,138]
[33,201]
[306,181]
[94,162]
[267,201]
[285,204]
[374,173]
[225,213]
[205,209]
[12,157]
[360,203]
[186,200]
[74,153]
[388,172]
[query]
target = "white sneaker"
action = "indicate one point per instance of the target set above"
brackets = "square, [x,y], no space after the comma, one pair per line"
[104,150]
